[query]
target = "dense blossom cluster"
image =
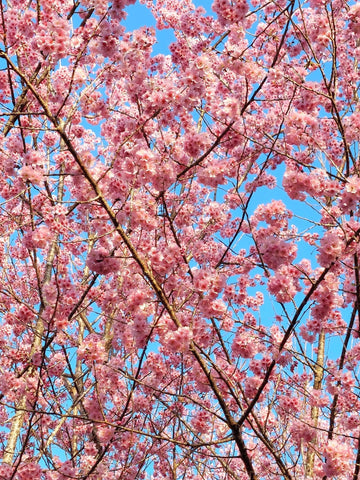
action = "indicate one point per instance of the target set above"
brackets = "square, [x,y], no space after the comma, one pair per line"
[179,240]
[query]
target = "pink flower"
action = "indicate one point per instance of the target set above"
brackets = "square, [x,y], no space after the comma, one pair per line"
[284,284]
[200,421]
[354,16]
[100,262]
[339,458]
[105,433]
[179,340]
[31,174]
[302,432]
[92,349]
[244,345]
[332,246]
[290,404]
[276,252]
[38,238]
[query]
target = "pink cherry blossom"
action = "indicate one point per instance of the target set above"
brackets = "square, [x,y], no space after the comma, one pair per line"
[337,458]
[31,174]
[101,262]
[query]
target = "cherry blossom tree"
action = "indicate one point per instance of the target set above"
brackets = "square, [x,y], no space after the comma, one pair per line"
[179,248]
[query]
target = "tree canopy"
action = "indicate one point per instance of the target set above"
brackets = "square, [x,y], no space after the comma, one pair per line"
[179,240]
